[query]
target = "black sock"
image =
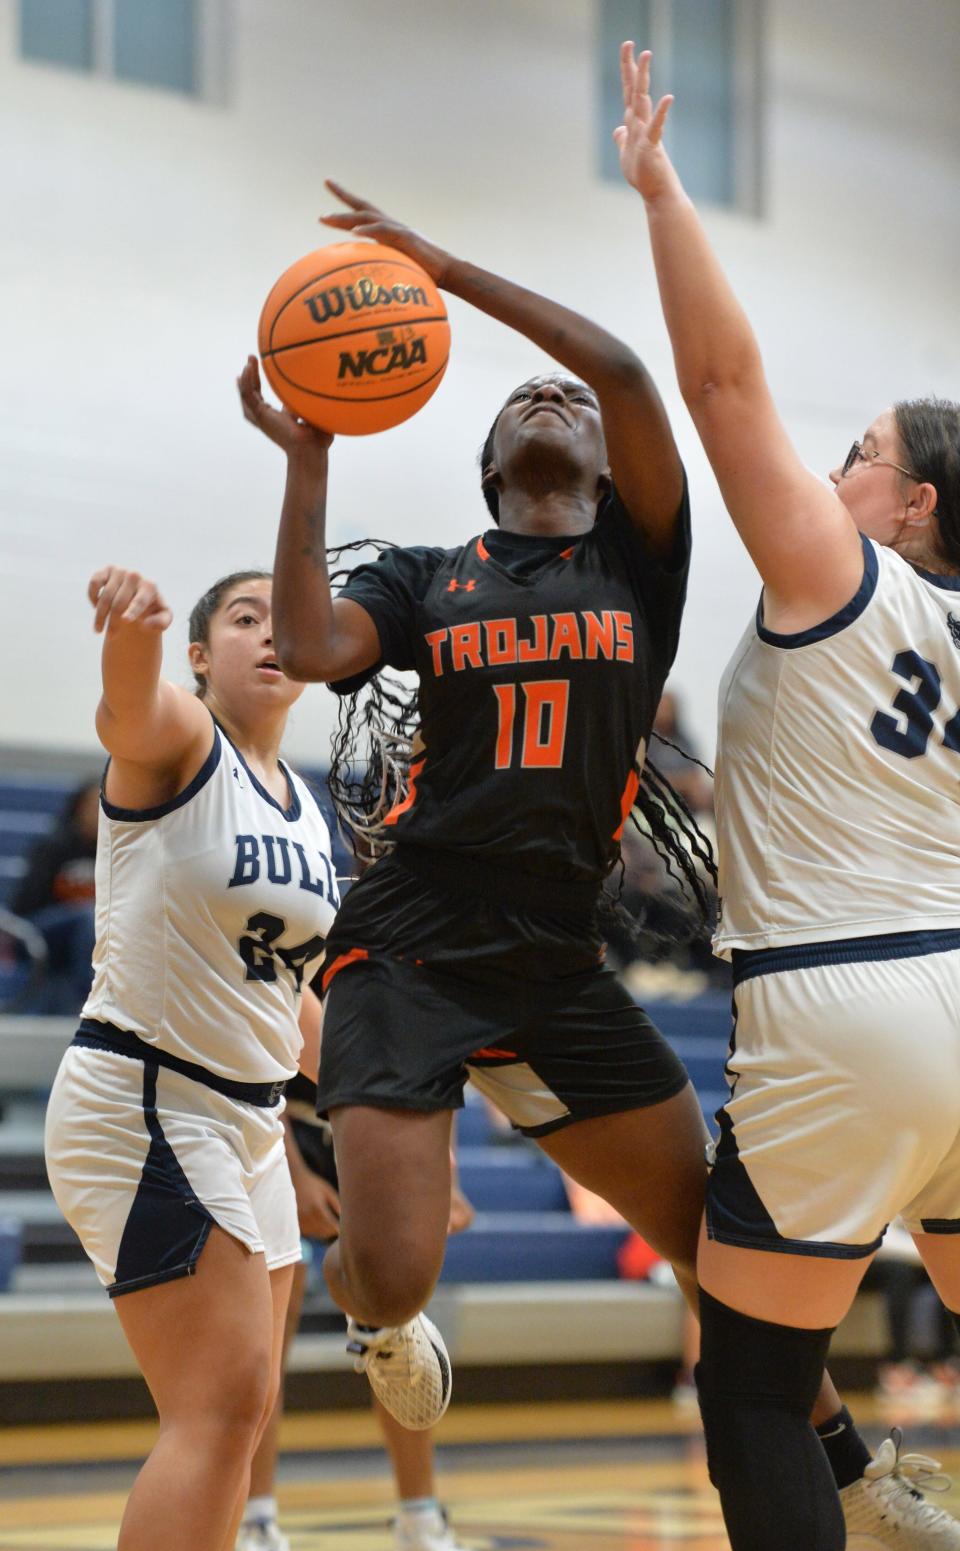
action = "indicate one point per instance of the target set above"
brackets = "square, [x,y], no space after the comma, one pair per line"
[845,1449]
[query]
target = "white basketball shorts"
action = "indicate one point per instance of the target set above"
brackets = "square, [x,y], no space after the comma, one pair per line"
[844,1107]
[143,1161]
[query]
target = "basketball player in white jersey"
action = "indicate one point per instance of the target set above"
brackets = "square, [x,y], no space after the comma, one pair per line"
[839,824]
[164,1143]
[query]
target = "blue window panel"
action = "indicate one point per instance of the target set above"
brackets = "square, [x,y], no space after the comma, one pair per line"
[701,130]
[155,41]
[619,20]
[59,32]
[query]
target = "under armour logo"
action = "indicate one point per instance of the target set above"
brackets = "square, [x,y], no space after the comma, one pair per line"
[953,625]
[467,586]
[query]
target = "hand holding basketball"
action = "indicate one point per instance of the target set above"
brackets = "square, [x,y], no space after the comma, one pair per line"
[354,338]
[280,425]
[122,597]
[365,220]
[643,159]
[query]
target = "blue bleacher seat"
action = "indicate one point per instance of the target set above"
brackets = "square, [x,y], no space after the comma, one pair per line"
[514,1179]
[19,830]
[532,1247]
[36,796]
[473,1123]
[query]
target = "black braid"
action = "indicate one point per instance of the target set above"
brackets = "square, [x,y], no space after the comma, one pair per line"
[373,747]
[662,816]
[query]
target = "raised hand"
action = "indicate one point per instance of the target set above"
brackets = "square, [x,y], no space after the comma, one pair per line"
[643,160]
[365,220]
[283,427]
[122,597]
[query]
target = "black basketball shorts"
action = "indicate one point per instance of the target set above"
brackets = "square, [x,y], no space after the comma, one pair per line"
[427,987]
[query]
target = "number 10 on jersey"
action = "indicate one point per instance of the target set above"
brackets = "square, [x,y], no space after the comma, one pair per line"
[543,719]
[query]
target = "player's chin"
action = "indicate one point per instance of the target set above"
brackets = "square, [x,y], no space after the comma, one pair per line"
[546,426]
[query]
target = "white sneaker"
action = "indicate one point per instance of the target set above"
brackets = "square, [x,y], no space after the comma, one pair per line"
[884,1508]
[408,1368]
[428,1530]
[261,1535]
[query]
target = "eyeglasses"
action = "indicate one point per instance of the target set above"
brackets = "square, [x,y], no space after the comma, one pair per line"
[859,454]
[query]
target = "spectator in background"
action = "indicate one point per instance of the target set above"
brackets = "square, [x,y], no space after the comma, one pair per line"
[56,893]
[902,1380]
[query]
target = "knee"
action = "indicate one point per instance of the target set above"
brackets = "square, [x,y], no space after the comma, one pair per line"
[750,1367]
[387,1285]
[239,1402]
[754,1359]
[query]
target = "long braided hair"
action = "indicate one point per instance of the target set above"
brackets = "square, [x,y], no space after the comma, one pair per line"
[373,742]
[376,740]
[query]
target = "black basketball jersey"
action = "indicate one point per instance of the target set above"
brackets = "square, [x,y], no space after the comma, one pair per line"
[541,663]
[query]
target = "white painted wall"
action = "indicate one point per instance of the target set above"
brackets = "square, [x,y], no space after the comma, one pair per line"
[140,232]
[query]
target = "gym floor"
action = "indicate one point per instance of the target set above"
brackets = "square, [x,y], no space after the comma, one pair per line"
[579,1476]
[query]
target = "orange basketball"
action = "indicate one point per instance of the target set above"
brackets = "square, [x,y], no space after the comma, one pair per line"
[354,338]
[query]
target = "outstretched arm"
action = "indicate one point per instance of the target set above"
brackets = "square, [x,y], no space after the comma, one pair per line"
[317,637]
[798,532]
[157,733]
[644,460]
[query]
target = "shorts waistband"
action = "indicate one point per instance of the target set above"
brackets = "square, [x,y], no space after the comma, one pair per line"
[749,962]
[94,1035]
[500,885]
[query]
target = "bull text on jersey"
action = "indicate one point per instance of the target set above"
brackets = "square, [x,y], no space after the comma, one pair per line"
[271,854]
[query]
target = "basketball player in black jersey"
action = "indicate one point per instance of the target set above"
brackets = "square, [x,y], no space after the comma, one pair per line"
[473,949]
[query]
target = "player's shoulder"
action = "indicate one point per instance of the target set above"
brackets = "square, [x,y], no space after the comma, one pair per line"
[407,566]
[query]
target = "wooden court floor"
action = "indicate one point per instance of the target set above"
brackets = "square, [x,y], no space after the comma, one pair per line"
[615,1476]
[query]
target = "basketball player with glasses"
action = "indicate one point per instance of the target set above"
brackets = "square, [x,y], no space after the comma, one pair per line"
[164,1143]
[838,806]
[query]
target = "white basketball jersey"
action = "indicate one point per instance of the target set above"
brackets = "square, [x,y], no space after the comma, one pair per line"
[211,912]
[838,776]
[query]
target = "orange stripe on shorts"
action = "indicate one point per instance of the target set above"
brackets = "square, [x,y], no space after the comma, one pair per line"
[341,962]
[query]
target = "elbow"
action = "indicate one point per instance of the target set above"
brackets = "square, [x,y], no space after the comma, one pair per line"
[714,383]
[626,371]
[299,664]
[702,392]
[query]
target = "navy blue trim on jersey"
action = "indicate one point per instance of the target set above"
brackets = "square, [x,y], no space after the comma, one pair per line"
[293,811]
[836,622]
[97,1035]
[940,1224]
[747,962]
[736,1214]
[144,815]
[947,583]
[160,1240]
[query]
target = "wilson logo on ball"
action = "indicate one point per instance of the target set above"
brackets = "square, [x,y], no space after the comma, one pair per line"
[354,337]
[365,293]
